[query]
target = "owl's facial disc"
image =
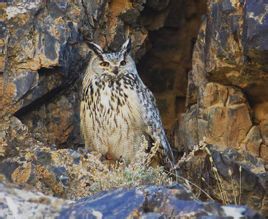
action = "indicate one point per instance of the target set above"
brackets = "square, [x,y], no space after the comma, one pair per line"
[112,63]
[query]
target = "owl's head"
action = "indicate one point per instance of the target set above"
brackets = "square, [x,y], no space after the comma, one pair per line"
[114,63]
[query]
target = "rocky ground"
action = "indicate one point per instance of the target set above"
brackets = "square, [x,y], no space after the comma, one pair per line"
[143,202]
[206,62]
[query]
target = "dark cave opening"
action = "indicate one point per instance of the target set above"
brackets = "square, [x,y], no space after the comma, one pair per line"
[164,68]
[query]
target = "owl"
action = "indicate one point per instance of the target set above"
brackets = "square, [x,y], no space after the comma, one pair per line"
[117,109]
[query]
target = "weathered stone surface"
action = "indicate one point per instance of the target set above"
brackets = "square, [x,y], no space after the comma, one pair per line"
[53,172]
[67,173]
[187,135]
[17,203]
[150,202]
[229,79]
[222,117]
[39,35]
[253,141]
[144,202]
[228,175]
[3,36]
[255,35]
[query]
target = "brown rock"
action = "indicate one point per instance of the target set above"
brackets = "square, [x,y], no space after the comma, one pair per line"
[264,131]
[3,141]
[53,122]
[187,135]
[7,93]
[49,180]
[214,94]
[261,111]
[23,174]
[224,118]
[192,92]
[264,152]
[224,52]
[228,126]
[253,140]
[225,173]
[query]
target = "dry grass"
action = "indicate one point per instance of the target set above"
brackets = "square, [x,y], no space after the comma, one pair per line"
[105,177]
[226,196]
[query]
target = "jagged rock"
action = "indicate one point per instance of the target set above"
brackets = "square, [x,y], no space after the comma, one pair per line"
[222,116]
[63,173]
[39,35]
[144,202]
[253,141]
[228,175]
[228,82]
[17,203]
[150,202]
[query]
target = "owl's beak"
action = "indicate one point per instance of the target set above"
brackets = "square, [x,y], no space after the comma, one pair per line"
[115,70]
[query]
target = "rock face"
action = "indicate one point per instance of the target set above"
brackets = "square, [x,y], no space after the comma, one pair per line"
[227,88]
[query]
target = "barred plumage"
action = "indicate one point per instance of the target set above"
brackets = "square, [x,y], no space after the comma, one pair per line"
[117,109]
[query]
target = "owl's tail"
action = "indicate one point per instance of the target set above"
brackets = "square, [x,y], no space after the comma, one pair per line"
[169,158]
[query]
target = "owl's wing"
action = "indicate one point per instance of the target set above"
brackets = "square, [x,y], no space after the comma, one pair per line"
[152,120]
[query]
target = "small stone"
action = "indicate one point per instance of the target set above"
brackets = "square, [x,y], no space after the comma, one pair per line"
[43,157]
[253,141]
[61,175]
[264,152]
[23,174]
[7,168]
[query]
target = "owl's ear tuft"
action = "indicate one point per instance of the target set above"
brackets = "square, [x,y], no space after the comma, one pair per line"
[126,47]
[95,48]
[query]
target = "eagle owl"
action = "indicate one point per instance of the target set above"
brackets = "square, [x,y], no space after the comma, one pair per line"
[117,109]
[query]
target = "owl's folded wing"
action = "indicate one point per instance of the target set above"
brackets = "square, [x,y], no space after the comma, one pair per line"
[152,120]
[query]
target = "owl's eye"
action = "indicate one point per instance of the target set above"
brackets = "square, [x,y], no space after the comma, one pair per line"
[123,62]
[104,64]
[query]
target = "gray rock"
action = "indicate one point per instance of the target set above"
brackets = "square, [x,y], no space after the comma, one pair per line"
[17,203]
[151,202]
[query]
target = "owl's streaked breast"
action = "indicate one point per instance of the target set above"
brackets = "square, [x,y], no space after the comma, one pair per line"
[113,120]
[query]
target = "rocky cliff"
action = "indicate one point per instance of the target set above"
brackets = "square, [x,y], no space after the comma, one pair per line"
[227,93]
[206,63]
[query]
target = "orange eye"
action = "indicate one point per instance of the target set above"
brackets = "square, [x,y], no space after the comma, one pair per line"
[104,64]
[123,62]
